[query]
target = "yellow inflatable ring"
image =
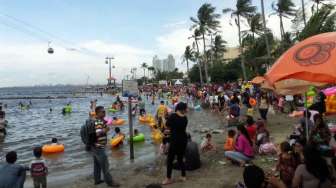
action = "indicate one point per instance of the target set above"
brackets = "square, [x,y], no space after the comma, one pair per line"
[117,140]
[50,149]
[118,122]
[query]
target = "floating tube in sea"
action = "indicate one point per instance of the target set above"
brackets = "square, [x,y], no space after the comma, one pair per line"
[51,149]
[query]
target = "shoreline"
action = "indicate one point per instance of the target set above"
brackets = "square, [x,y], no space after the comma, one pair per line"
[215,170]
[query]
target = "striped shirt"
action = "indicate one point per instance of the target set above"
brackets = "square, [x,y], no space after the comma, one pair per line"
[101,137]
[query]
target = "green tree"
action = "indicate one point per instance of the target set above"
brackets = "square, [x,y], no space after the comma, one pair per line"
[151,70]
[284,9]
[317,4]
[188,55]
[196,36]
[244,9]
[206,22]
[255,25]
[144,67]
[219,48]
[321,22]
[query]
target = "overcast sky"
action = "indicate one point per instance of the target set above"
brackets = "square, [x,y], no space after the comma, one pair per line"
[83,32]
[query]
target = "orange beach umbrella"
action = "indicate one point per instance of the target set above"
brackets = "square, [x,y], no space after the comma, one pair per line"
[312,61]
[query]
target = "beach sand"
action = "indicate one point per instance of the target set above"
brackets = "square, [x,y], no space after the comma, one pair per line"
[215,172]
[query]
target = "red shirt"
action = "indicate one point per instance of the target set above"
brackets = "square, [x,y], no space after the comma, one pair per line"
[252,129]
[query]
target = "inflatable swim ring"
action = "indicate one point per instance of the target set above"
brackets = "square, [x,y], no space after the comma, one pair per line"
[50,149]
[118,122]
[117,140]
[112,110]
[68,109]
[253,102]
[157,135]
[139,138]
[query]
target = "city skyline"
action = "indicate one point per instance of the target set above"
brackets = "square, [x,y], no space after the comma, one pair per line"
[82,33]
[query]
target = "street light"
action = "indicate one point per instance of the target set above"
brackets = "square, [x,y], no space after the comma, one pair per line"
[108,61]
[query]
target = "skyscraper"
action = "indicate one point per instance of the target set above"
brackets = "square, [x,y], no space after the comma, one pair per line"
[164,65]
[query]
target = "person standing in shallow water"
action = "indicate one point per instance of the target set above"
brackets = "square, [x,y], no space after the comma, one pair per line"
[177,123]
[100,159]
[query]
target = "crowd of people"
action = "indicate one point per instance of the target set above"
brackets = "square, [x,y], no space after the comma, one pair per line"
[305,159]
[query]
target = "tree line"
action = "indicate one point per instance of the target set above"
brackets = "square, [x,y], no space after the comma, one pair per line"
[258,47]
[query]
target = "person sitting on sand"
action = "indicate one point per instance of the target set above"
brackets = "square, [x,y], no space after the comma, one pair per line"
[12,175]
[262,134]
[286,164]
[229,143]
[254,177]
[244,151]
[207,144]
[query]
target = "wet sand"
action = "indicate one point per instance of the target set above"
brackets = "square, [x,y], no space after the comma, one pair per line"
[213,172]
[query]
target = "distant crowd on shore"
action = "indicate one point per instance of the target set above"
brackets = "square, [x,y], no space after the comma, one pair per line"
[306,159]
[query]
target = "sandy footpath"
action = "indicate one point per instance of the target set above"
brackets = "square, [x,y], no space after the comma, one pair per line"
[215,172]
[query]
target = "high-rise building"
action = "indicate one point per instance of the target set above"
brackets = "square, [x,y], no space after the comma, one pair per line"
[164,65]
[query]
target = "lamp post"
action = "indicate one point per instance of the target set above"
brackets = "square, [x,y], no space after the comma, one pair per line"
[108,61]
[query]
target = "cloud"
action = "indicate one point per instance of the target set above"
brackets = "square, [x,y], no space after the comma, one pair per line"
[174,24]
[30,64]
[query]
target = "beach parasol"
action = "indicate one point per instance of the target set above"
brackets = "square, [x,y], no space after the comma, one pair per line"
[258,80]
[311,62]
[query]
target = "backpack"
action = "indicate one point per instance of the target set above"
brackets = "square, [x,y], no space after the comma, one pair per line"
[38,169]
[87,132]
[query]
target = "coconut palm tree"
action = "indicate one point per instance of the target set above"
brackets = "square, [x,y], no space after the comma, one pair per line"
[265,30]
[144,67]
[284,9]
[206,22]
[196,36]
[219,48]
[188,55]
[151,70]
[255,25]
[317,2]
[244,9]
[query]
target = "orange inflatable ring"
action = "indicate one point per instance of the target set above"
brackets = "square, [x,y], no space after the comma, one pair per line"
[144,119]
[253,102]
[50,149]
[117,140]
[118,122]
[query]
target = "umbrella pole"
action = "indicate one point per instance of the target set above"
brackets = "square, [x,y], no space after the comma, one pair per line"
[306,115]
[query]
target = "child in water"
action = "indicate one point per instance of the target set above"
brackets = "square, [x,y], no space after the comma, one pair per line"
[39,169]
[207,144]
[136,132]
[54,141]
[229,143]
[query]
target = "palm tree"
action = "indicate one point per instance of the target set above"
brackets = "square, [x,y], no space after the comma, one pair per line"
[144,66]
[283,8]
[255,24]
[317,2]
[196,36]
[265,30]
[244,9]
[206,22]
[188,55]
[219,48]
[151,69]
